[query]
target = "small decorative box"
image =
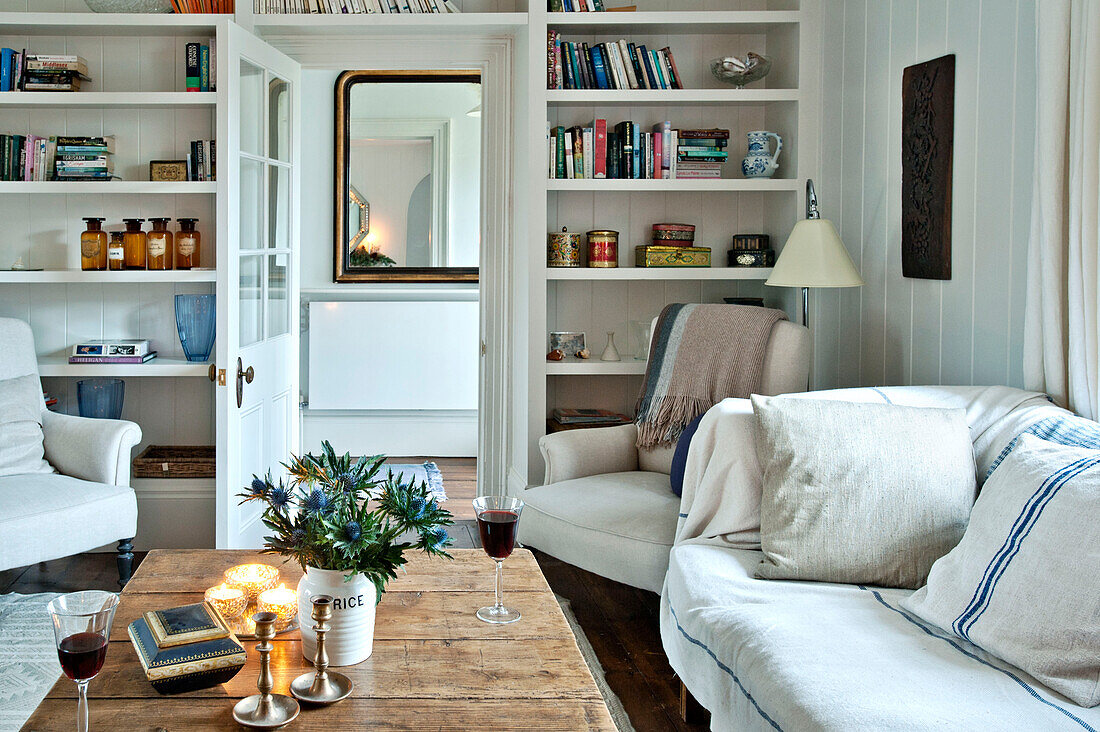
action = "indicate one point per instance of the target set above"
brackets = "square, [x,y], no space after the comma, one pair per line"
[751,257]
[186,648]
[742,242]
[668,256]
[673,235]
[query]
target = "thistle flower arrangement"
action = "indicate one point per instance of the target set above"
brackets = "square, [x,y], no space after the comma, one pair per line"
[340,514]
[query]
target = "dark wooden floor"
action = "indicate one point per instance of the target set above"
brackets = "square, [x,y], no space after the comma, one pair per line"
[619,621]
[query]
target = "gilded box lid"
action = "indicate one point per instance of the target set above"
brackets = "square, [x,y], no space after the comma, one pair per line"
[186,624]
[186,658]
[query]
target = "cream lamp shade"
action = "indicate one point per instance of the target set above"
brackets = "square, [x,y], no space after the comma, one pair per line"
[814,256]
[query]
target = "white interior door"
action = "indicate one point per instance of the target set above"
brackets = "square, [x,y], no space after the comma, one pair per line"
[258,254]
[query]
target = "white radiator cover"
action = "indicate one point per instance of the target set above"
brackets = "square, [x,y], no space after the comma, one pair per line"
[393,355]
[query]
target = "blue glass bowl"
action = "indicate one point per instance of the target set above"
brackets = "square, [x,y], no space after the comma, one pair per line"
[195,325]
[100,398]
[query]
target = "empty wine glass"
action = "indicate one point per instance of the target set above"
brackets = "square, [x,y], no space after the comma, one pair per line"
[497,517]
[82,628]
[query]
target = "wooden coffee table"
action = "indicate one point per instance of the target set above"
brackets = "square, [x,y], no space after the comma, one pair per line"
[434,665]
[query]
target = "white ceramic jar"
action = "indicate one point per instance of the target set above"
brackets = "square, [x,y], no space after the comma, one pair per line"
[350,638]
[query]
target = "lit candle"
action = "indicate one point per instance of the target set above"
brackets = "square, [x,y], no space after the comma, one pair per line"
[252,579]
[230,601]
[282,601]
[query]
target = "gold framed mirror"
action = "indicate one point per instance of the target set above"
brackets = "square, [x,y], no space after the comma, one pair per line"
[407,176]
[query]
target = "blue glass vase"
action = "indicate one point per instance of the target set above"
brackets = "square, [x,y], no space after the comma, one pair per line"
[100,398]
[195,324]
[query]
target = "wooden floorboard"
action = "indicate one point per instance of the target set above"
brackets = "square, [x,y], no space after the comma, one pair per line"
[620,622]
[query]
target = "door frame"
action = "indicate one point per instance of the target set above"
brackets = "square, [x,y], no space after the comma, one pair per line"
[493,56]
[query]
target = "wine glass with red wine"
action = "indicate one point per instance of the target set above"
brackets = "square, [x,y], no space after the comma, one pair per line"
[497,517]
[82,627]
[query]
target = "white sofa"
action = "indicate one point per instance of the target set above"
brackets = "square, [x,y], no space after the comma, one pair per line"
[768,654]
[607,507]
[85,505]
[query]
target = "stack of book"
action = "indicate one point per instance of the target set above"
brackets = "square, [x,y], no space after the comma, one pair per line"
[20,71]
[700,153]
[84,158]
[614,65]
[202,6]
[119,350]
[626,152]
[570,419]
[336,7]
[26,157]
[201,67]
[201,161]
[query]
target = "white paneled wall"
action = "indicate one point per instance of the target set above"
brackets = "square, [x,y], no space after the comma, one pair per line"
[967,330]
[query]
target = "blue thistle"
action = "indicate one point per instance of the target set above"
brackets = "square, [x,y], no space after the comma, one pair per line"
[417,504]
[352,531]
[258,486]
[297,537]
[316,501]
[279,497]
[346,481]
[437,536]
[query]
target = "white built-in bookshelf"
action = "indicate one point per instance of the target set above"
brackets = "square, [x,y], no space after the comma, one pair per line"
[137,94]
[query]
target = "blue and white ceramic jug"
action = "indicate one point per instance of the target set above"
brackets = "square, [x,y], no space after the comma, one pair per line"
[760,163]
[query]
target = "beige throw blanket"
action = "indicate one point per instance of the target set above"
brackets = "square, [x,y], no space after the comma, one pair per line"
[700,355]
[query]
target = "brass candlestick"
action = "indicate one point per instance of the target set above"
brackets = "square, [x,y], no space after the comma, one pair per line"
[265,710]
[324,686]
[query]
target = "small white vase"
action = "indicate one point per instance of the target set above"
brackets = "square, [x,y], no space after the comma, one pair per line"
[350,638]
[610,353]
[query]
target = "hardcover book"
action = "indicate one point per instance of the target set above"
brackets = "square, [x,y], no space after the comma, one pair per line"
[113,347]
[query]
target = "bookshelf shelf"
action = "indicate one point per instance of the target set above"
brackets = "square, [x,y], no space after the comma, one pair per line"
[108,100]
[124,277]
[60,366]
[681,185]
[697,21]
[114,186]
[109,24]
[595,367]
[674,97]
[659,273]
[357,24]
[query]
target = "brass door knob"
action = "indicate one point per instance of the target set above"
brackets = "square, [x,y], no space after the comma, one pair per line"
[212,372]
[244,376]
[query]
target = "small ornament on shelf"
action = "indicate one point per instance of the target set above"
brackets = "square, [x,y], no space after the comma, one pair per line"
[610,353]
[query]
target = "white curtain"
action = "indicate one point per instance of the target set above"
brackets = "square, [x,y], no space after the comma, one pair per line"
[1062,318]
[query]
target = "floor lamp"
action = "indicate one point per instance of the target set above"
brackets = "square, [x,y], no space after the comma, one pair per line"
[814,256]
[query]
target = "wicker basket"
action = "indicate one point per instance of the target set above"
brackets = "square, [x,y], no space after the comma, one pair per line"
[180,461]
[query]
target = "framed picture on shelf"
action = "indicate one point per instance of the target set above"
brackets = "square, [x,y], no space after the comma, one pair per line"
[170,170]
[568,342]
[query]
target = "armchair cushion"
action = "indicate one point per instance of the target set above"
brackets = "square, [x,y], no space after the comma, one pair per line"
[90,449]
[21,438]
[580,453]
[66,516]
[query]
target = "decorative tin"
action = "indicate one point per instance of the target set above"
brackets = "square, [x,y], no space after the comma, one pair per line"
[751,257]
[563,249]
[666,256]
[186,648]
[673,235]
[603,248]
[751,241]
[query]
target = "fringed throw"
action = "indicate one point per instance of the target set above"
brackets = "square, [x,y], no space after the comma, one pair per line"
[700,355]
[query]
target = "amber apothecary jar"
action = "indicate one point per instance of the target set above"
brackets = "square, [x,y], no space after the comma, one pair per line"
[115,251]
[133,244]
[93,245]
[188,243]
[159,245]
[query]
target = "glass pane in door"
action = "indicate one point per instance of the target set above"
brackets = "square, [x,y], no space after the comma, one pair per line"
[252,302]
[278,306]
[252,108]
[278,115]
[278,216]
[252,186]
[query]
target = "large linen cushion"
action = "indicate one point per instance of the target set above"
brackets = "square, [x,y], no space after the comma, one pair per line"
[860,493]
[1022,581]
[45,517]
[21,450]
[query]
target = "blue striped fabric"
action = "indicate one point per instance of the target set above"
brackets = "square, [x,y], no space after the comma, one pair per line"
[1023,525]
[1071,431]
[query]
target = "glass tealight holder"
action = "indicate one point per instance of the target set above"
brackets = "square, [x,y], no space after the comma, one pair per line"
[252,579]
[229,601]
[282,601]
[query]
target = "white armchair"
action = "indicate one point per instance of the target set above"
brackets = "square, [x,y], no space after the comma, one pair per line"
[607,507]
[88,503]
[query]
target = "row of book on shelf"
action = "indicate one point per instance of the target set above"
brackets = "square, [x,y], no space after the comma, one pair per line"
[22,71]
[201,66]
[82,158]
[203,6]
[113,351]
[349,7]
[613,65]
[626,151]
